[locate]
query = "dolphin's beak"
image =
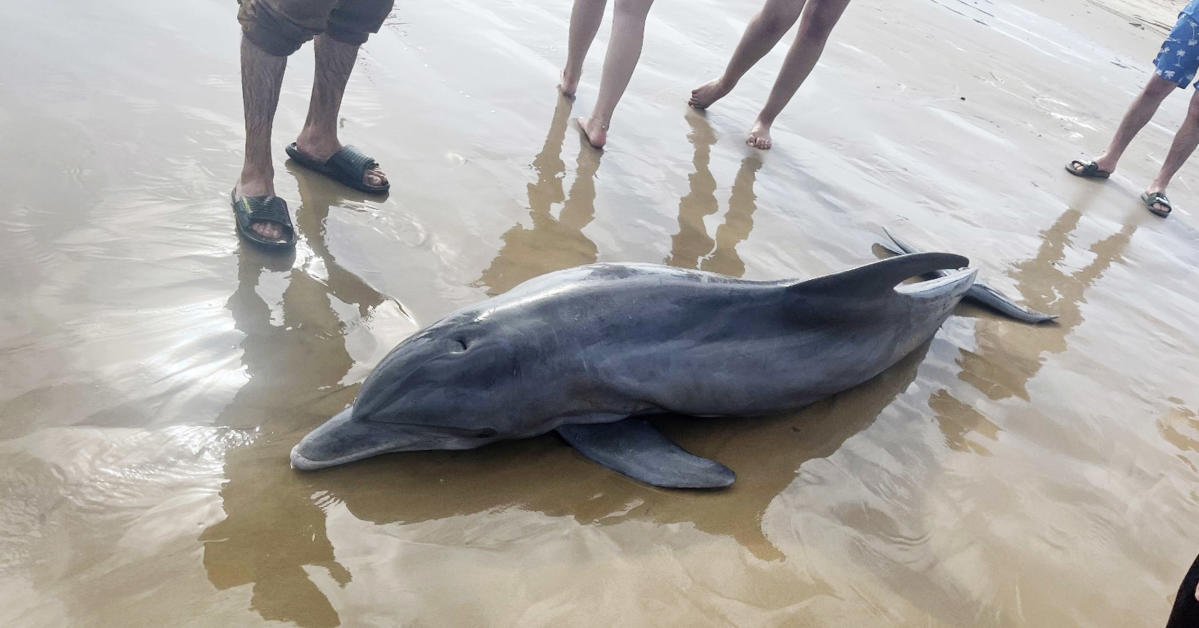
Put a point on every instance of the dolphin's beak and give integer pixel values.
(340, 440)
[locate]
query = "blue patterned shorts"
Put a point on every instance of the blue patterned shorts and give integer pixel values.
(1178, 59)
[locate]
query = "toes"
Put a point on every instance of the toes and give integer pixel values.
(758, 142)
(268, 230)
(375, 177)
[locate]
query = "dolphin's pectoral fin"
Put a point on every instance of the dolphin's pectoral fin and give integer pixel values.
(874, 278)
(638, 450)
(979, 293)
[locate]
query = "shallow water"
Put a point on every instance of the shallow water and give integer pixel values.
(156, 372)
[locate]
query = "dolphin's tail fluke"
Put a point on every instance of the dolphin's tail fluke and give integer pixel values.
(979, 293)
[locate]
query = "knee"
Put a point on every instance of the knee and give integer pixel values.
(633, 8)
(352, 22)
(1158, 88)
(1193, 109)
(271, 30)
(777, 17)
(820, 19)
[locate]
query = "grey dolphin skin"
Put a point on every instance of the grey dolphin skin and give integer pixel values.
(591, 351)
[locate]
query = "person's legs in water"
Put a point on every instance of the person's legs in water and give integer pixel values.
(624, 49)
(819, 18)
(763, 32)
(318, 139)
(585, 20)
(349, 25)
(261, 78)
(1174, 67)
(271, 31)
(1135, 119)
(1185, 141)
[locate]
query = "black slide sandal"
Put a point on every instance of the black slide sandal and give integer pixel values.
(1086, 170)
(347, 166)
(251, 209)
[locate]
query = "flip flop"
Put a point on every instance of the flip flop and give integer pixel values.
(251, 209)
(1157, 198)
(1086, 170)
(347, 166)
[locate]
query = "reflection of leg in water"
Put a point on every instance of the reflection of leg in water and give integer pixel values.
(272, 529)
(994, 369)
(294, 353)
(692, 241)
(737, 222)
(551, 244)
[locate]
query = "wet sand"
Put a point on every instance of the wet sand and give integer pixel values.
(156, 372)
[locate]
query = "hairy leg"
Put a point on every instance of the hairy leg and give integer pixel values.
(1184, 144)
(819, 18)
(585, 20)
(1135, 119)
(763, 32)
(261, 78)
(318, 139)
(624, 49)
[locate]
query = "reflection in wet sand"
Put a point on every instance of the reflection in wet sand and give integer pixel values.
(294, 353)
(692, 247)
(552, 244)
(995, 369)
(544, 475)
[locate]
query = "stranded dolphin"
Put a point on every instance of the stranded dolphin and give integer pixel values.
(590, 351)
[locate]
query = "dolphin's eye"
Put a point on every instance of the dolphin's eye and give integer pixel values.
(461, 343)
(486, 433)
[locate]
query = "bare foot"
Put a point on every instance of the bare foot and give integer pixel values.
(259, 186)
(322, 147)
(703, 96)
(595, 131)
(759, 136)
(568, 85)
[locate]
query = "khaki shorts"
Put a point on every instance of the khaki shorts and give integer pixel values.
(280, 27)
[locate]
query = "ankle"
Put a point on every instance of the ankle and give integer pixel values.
(314, 138)
(256, 182)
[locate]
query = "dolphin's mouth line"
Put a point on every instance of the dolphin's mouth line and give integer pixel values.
(304, 463)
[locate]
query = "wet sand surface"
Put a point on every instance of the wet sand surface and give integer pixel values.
(156, 372)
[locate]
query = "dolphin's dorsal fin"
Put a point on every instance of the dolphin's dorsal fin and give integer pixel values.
(878, 277)
(638, 450)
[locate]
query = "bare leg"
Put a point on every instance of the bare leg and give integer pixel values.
(261, 78)
(585, 20)
(762, 33)
(1184, 144)
(817, 24)
(624, 49)
(318, 139)
(1135, 119)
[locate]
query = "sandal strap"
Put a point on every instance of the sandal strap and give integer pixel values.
(264, 209)
(352, 162)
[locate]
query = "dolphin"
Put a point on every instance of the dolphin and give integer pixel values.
(591, 351)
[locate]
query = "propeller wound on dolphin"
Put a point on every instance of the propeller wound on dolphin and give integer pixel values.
(582, 350)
